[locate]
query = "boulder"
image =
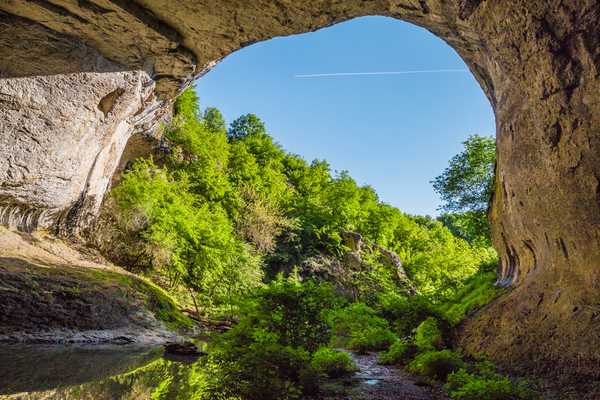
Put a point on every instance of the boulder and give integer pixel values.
(183, 349)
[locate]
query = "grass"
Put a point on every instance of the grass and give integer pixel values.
(479, 291)
(157, 300)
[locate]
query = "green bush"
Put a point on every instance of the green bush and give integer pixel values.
(358, 328)
(408, 314)
(428, 336)
(436, 364)
(372, 339)
(333, 363)
(268, 355)
(492, 387)
(400, 353)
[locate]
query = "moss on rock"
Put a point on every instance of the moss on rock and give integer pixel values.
(45, 299)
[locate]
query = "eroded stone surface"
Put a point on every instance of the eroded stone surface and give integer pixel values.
(537, 62)
(62, 138)
(357, 244)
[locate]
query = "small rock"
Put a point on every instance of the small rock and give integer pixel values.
(421, 383)
(183, 349)
(122, 340)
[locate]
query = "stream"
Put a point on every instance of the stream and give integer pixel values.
(129, 372)
(382, 382)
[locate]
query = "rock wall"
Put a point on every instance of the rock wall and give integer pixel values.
(81, 76)
(61, 143)
(352, 258)
(63, 129)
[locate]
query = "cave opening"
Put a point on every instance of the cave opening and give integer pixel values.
(536, 61)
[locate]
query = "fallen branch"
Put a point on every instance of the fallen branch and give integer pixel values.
(193, 315)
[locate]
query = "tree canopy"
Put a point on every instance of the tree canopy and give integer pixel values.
(231, 210)
(466, 186)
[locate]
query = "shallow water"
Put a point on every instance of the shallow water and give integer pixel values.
(203, 342)
(371, 382)
(97, 372)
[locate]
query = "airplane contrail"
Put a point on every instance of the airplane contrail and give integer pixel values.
(382, 73)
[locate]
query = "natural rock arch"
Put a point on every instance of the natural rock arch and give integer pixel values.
(80, 77)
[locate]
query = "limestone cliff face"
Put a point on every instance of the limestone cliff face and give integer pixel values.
(60, 146)
(64, 128)
(81, 76)
(352, 258)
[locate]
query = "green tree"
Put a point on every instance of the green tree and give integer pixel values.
(244, 126)
(260, 220)
(467, 184)
(435, 260)
(214, 121)
(202, 149)
(188, 103)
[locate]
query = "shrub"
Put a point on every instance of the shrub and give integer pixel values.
(428, 337)
(400, 353)
(333, 363)
(297, 312)
(268, 355)
(358, 328)
(408, 314)
(436, 364)
(495, 387)
(262, 370)
(372, 339)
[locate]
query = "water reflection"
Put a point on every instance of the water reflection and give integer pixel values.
(99, 372)
(203, 342)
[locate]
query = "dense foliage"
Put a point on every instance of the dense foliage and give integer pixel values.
(269, 354)
(357, 327)
(230, 209)
(485, 383)
(466, 186)
(238, 228)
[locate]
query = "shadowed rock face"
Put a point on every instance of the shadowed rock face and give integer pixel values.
(81, 77)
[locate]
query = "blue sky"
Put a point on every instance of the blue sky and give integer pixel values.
(394, 132)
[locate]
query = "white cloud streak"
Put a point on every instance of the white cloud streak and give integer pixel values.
(383, 73)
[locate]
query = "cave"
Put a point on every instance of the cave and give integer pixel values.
(79, 78)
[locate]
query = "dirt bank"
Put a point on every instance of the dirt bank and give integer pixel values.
(50, 292)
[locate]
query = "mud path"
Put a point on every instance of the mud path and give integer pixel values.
(382, 382)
